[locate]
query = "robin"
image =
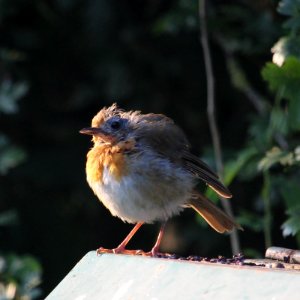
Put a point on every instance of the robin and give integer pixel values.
(142, 170)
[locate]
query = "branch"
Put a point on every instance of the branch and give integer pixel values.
(283, 254)
(234, 239)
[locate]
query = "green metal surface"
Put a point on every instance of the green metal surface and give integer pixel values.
(122, 277)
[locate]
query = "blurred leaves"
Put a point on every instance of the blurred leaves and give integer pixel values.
(19, 277)
(233, 26)
(283, 126)
(272, 148)
(285, 47)
(183, 16)
(9, 218)
(289, 44)
(10, 155)
(10, 94)
(274, 156)
(292, 225)
(290, 8)
(284, 79)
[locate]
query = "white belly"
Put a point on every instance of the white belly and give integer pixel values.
(144, 196)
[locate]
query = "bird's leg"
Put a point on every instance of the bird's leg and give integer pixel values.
(155, 250)
(121, 248)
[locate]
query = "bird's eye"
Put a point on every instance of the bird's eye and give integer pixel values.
(115, 125)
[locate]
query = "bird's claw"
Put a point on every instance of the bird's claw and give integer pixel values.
(102, 250)
(120, 250)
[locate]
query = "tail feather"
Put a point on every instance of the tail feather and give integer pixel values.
(213, 215)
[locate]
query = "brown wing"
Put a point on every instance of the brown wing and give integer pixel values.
(203, 172)
(169, 140)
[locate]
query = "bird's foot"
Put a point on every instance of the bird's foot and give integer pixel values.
(102, 250)
(120, 250)
(155, 253)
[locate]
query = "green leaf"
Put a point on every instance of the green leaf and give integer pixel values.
(292, 225)
(284, 80)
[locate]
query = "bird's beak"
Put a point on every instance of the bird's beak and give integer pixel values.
(98, 132)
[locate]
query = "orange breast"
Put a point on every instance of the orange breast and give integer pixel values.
(110, 157)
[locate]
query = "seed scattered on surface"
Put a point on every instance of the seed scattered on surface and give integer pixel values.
(237, 259)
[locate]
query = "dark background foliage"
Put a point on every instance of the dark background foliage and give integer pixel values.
(63, 60)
